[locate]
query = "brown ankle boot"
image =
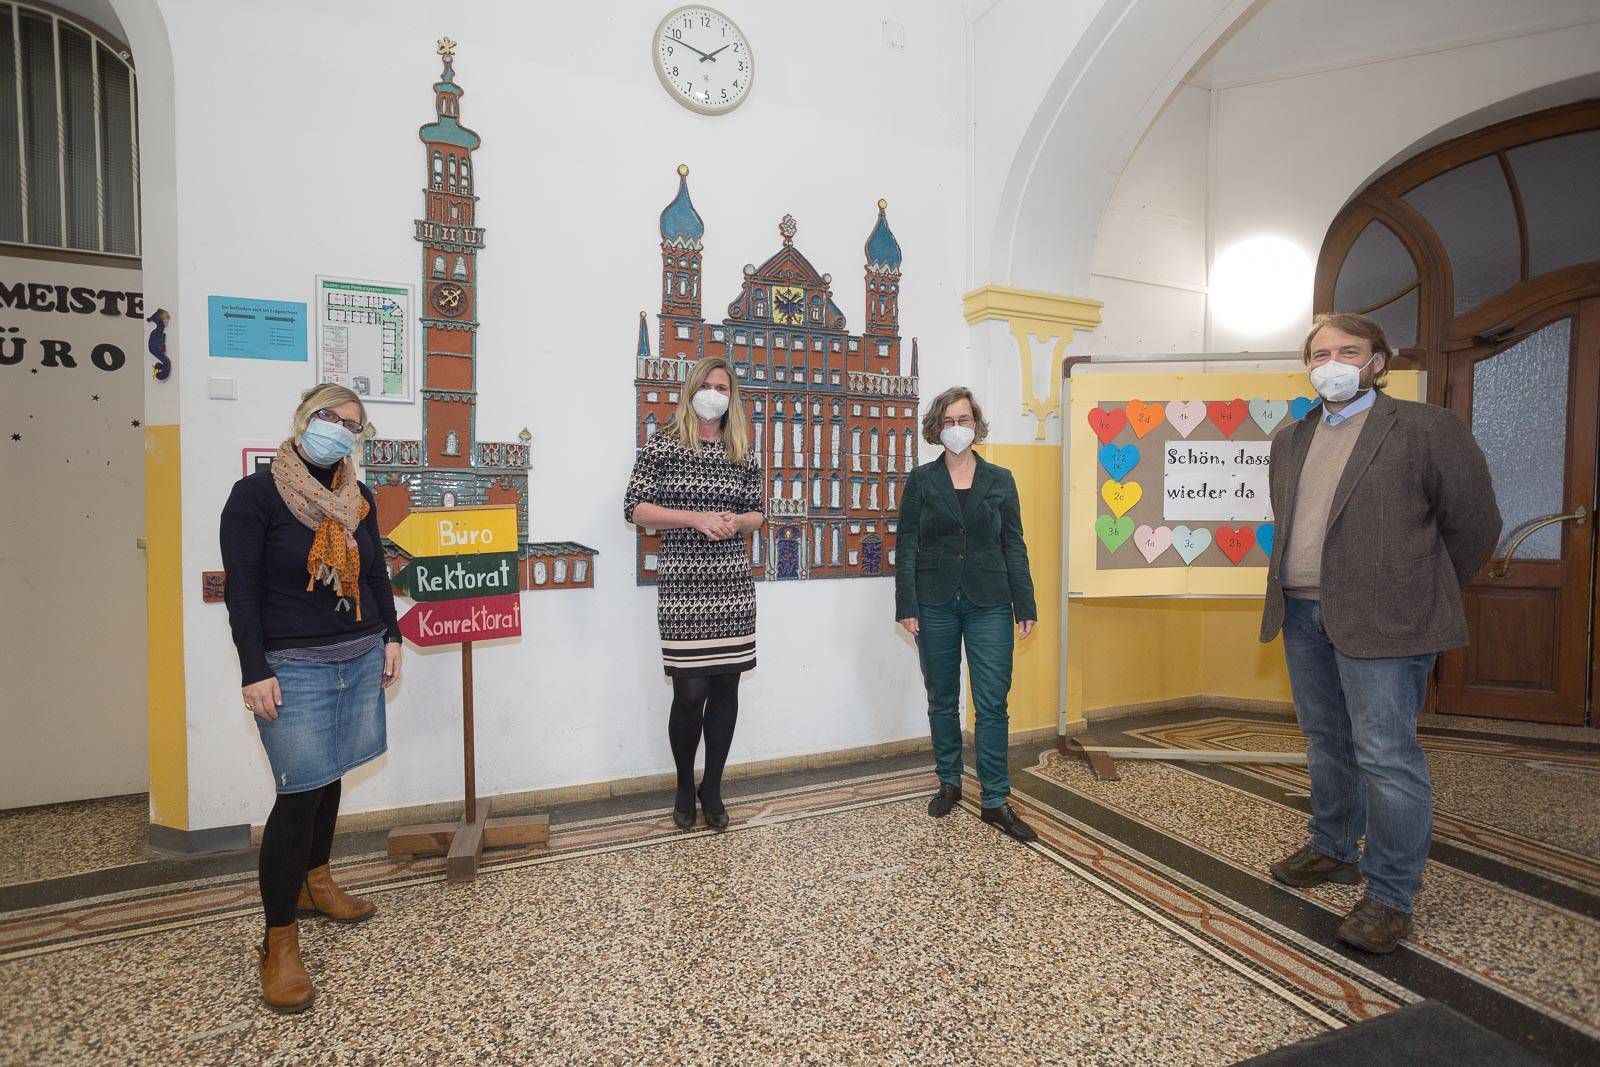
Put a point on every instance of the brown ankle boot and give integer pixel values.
(285, 985)
(320, 896)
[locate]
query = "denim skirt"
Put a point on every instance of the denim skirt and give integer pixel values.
(331, 720)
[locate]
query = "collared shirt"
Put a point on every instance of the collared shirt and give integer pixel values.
(1352, 409)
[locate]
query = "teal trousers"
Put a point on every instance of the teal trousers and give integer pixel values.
(988, 636)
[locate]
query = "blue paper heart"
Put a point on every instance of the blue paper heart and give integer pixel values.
(1118, 460)
(1300, 405)
(1264, 538)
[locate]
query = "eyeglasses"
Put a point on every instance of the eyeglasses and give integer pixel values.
(328, 415)
(965, 422)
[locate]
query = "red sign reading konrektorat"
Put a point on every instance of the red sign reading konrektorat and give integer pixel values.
(449, 622)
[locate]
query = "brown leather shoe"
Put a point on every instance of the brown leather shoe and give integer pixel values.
(320, 896)
(1308, 867)
(1374, 927)
(285, 985)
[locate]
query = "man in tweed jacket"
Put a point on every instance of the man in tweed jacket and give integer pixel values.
(1384, 513)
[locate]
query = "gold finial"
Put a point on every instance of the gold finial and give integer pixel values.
(683, 170)
(447, 47)
(882, 204)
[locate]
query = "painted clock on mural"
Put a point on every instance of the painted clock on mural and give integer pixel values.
(704, 60)
(448, 300)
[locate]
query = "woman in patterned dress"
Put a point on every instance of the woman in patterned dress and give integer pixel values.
(698, 482)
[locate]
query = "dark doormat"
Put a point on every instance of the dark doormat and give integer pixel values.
(1422, 1033)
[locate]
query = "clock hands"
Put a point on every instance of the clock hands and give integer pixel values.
(712, 56)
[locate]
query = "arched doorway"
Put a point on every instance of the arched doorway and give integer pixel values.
(1481, 257)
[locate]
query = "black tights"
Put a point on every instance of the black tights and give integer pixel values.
(708, 704)
(298, 838)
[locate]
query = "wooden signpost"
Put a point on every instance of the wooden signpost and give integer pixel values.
(463, 575)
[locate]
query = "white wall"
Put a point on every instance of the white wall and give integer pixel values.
(1300, 108)
(72, 628)
(297, 154)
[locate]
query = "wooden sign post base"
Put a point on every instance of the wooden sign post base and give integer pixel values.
(462, 843)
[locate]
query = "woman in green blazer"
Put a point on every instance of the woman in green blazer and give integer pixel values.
(961, 573)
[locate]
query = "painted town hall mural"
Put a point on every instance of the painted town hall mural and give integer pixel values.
(833, 417)
(450, 466)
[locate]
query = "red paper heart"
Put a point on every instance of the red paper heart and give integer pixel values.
(1236, 543)
(1107, 424)
(1226, 415)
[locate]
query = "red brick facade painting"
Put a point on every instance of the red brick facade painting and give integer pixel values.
(833, 417)
(449, 466)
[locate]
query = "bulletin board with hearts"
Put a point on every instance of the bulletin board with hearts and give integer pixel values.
(1167, 478)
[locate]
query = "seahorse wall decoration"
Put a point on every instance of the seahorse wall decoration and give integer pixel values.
(158, 344)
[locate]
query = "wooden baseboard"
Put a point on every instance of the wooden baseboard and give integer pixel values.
(1198, 702)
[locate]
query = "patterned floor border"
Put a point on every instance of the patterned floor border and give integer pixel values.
(1569, 867)
(1314, 979)
(1460, 966)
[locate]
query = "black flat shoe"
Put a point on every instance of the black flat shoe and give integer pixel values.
(683, 818)
(946, 798)
(1009, 824)
(716, 818)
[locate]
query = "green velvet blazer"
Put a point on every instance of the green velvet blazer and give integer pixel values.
(939, 548)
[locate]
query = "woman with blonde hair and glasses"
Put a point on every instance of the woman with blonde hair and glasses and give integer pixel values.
(961, 575)
(313, 620)
(698, 481)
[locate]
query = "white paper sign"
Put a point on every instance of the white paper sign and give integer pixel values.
(1216, 481)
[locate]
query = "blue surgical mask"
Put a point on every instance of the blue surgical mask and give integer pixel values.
(326, 443)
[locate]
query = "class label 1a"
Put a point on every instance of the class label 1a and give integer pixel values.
(455, 577)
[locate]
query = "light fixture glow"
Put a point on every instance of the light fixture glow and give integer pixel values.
(1261, 284)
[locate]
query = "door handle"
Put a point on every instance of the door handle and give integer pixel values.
(1522, 532)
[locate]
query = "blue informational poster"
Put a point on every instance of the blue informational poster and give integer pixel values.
(243, 328)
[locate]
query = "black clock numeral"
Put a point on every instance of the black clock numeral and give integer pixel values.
(724, 94)
(677, 35)
(674, 72)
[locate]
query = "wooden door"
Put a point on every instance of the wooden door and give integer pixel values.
(1531, 399)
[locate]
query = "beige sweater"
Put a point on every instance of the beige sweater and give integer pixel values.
(1319, 478)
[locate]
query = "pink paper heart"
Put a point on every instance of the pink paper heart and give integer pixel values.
(1185, 415)
(1152, 542)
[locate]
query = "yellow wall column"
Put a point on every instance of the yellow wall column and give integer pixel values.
(163, 531)
(1025, 438)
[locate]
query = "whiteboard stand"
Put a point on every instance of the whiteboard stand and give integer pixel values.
(1101, 758)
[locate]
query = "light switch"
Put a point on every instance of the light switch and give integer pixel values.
(224, 388)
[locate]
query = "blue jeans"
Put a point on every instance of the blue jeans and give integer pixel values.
(987, 632)
(1368, 774)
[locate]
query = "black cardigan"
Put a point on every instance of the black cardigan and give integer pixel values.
(264, 550)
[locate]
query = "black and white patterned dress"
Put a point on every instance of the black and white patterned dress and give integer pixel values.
(706, 608)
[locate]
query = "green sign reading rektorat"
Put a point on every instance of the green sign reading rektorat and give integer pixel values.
(455, 577)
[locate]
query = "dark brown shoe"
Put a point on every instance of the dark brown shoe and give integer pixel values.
(1374, 927)
(1308, 867)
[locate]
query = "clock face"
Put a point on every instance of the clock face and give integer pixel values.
(449, 300)
(703, 59)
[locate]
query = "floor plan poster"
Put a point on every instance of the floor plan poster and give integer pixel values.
(364, 337)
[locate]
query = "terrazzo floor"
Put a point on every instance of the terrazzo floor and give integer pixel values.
(837, 923)
(63, 839)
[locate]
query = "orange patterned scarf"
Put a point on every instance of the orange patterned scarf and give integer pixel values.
(334, 514)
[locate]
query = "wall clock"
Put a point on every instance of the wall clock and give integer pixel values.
(704, 60)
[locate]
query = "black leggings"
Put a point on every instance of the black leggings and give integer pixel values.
(298, 838)
(706, 704)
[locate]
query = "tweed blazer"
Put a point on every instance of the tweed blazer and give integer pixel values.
(939, 549)
(1412, 520)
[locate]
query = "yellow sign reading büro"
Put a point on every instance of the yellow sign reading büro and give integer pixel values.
(457, 531)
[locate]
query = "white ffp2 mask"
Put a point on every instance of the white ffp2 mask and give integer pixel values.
(957, 438)
(709, 404)
(1337, 382)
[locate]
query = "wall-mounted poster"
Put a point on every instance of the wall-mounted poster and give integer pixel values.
(365, 338)
(242, 327)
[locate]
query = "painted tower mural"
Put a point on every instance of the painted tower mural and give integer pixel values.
(450, 466)
(833, 418)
